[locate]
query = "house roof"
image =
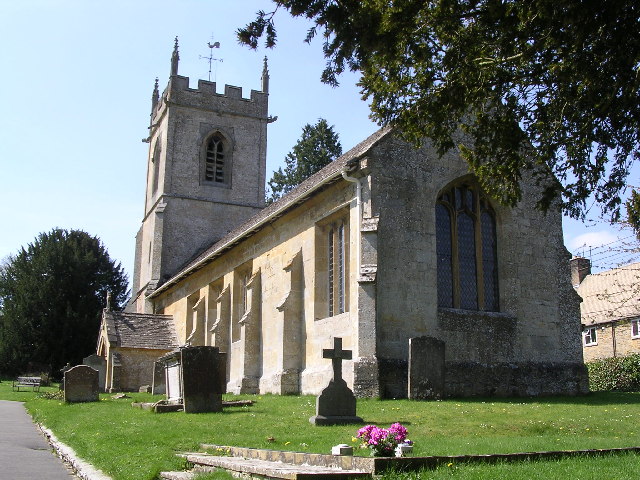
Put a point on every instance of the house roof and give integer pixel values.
(330, 173)
(139, 330)
(611, 295)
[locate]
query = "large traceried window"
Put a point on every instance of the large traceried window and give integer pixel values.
(215, 158)
(466, 250)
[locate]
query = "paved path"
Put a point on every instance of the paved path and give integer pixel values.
(24, 452)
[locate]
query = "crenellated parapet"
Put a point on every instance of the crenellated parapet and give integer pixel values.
(206, 97)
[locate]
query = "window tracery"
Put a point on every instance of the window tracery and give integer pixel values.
(466, 249)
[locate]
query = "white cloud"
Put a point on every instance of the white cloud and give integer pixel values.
(590, 239)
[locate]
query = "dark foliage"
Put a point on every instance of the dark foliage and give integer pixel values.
(51, 297)
(547, 86)
(317, 147)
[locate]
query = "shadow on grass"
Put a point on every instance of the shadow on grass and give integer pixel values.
(594, 398)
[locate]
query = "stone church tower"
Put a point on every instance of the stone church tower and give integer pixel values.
(205, 174)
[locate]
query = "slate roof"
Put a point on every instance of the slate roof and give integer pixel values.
(611, 295)
(140, 330)
(329, 174)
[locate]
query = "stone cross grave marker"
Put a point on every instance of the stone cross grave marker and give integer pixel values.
(336, 404)
(336, 354)
(81, 384)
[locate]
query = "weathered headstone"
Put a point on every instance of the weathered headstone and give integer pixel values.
(100, 364)
(196, 378)
(426, 368)
(81, 384)
(159, 386)
(336, 404)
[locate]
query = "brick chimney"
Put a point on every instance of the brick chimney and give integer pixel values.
(580, 268)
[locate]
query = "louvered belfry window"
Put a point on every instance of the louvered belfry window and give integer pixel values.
(466, 248)
(214, 161)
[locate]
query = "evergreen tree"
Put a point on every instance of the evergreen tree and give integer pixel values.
(318, 146)
(549, 86)
(51, 297)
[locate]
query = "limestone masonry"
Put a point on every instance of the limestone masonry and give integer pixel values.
(386, 244)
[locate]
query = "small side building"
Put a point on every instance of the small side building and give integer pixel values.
(610, 309)
(130, 343)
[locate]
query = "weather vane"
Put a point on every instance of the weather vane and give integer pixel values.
(211, 58)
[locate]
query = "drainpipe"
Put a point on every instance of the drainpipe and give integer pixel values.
(358, 197)
(613, 339)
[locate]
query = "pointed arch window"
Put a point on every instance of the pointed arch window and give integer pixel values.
(466, 248)
(155, 161)
(216, 160)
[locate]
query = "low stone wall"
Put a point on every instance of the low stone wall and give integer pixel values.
(472, 379)
(466, 379)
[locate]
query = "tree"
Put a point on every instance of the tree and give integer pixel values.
(318, 146)
(545, 86)
(51, 297)
(633, 212)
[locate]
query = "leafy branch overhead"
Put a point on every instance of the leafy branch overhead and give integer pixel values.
(547, 86)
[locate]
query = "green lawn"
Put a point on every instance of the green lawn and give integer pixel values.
(101, 432)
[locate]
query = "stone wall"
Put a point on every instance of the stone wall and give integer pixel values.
(136, 368)
(275, 332)
(275, 341)
(538, 322)
(186, 213)
(613, 340)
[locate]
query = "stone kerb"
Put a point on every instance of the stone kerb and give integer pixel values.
(81, 384)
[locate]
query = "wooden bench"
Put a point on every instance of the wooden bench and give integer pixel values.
(31, 382)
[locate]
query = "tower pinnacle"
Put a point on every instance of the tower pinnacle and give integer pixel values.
(174, 59)
(155, 96)
(265, 76)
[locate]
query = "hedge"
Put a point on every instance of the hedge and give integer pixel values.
(621, 374)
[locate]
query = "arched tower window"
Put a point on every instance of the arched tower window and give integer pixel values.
(155, 160)
(215, 167)
(466, 248)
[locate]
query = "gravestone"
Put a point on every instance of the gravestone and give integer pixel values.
(81, 384)
(426, 368)
(158, 387)
(100, 364)
(336, 405)
(195, 377)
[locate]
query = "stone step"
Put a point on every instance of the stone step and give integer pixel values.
(344, 462)
(177, 475)
(270, 469)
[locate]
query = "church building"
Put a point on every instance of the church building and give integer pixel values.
(391, 248)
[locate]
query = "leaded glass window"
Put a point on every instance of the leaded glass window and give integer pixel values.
(336, 269)
(466, 248)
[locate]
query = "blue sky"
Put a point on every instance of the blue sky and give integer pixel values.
(76, 84)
